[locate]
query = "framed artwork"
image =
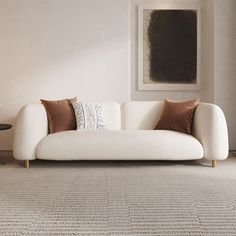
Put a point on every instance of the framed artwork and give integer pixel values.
(169, 47)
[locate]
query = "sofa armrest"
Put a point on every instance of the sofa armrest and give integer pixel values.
(31, 126)
(210, 128)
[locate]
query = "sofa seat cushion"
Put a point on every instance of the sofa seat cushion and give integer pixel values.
(119, 145)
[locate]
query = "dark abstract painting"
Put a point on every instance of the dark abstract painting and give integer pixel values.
(170, 46)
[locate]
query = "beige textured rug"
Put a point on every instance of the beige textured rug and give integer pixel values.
(118, 198)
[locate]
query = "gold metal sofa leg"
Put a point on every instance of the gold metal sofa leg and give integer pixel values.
(213, 163)
(27, 164)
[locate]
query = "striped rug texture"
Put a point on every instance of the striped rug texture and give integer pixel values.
(118, 198)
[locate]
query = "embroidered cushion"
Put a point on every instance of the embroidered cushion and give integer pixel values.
(89, 116)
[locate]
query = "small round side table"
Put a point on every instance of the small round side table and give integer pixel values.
(5, 126)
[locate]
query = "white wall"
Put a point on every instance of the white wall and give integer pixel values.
(205, 93)
(58, 48)
(225, 62)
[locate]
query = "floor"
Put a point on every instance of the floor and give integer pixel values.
(117, 198)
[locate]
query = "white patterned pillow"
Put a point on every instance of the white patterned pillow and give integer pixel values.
(89, 116)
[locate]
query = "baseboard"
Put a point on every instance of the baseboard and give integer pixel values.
(6, 153)
(232, 153)
(6, 156)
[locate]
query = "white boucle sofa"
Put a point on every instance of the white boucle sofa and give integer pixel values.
(130, 136)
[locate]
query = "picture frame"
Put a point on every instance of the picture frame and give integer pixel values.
(161, 67)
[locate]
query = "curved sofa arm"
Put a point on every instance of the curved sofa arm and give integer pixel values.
(210, 128)
(31, 126)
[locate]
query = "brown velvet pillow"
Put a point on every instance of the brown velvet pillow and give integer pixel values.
(177, 116)
(61, 115)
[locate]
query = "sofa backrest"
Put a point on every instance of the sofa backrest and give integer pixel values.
(140, 114)
(112, 115)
